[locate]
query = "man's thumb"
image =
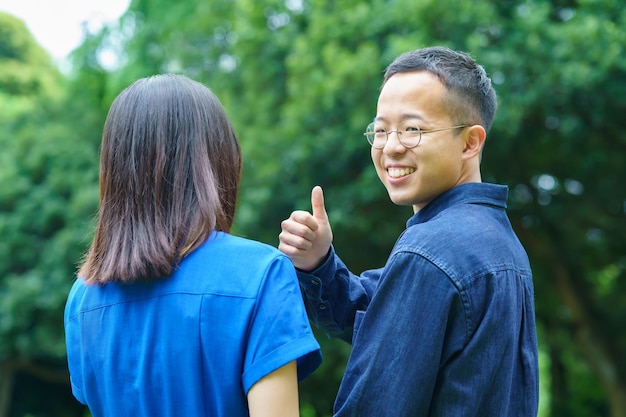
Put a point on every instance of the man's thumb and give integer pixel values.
(317, 203)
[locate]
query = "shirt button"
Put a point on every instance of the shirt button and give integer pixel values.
(322, 306)
(314, 282)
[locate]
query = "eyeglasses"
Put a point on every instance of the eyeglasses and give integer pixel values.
(409, 135)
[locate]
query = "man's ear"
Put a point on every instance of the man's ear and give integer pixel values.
(474, 140)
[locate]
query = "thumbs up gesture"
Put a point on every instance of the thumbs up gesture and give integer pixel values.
(306, 237)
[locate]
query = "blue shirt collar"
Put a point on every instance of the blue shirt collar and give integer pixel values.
(468, 193)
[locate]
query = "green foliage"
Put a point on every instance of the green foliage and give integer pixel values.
(26, 68)
(48, 172)
(44, 207)
(48, 196)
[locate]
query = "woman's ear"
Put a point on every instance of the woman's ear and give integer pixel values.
(474, 140)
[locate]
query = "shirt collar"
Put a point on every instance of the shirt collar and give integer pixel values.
(469, 193)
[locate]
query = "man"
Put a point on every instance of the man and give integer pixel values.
(447, 327)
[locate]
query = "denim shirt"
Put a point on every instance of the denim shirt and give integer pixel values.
(447, 327)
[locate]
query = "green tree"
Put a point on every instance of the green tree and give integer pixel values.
(562, 120)
(47, 198)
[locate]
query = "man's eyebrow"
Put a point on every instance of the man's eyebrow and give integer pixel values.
(403, 117)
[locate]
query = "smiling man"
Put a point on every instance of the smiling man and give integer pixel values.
(447, 326)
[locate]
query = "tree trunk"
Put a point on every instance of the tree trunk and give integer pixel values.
(559, 387)
(592, 344)
(7, 377)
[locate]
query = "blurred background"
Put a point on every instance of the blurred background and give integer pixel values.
(300, 79)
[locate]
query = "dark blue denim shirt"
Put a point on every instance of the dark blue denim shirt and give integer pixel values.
(447, 327)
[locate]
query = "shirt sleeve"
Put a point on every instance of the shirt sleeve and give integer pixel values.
(73, 343)
(279, 331)
(333, 295)
(398, 343)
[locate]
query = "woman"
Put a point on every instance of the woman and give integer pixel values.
(171, 315)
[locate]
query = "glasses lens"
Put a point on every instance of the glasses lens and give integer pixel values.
(410, 136)
(375, 136)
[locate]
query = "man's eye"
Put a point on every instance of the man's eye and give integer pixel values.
(379, 130)
(411, 129)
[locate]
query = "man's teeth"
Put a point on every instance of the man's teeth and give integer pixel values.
(399, 172)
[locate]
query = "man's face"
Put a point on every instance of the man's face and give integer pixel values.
(417, 175)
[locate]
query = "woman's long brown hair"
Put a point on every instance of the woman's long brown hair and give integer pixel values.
(170, 167)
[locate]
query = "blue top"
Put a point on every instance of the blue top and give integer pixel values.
(447, 327)
(194, 343)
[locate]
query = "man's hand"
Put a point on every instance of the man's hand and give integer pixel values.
(306, 237)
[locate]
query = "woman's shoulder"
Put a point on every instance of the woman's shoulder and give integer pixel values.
(237, 245)
(234, 264)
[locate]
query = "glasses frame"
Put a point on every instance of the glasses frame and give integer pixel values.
(398, 133)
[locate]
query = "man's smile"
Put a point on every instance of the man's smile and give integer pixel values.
(397, 172)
